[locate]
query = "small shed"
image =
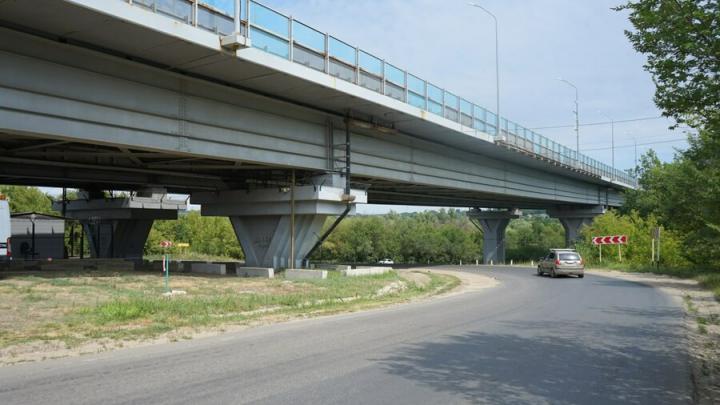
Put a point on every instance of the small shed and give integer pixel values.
(37, 236)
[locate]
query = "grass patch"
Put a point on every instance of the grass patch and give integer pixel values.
(86, 306)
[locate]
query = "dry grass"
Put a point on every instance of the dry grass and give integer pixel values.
(68, 310)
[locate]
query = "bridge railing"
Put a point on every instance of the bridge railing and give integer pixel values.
(288, 38)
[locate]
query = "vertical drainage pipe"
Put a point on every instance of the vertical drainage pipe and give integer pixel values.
(347, 197)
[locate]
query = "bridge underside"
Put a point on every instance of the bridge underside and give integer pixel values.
(37, 161)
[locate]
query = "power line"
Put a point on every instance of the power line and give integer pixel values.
(642, 138)
(589, 124)
(633, 145)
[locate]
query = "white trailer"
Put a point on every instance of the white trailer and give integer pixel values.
(5, 229)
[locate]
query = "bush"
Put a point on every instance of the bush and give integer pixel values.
(212, 236)
(637, 252)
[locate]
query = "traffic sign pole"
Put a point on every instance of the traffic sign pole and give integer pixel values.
(166, 258)
(166, 263)
(652, 251)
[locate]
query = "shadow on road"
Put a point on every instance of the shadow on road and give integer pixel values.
(586, 363)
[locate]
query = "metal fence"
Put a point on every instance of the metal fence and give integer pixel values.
(285, 37)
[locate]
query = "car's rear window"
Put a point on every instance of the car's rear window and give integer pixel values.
(569, 256)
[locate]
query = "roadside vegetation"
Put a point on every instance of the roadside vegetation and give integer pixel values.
(69, 310)
(681, 40)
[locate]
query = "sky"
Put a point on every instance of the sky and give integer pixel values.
(451, 44)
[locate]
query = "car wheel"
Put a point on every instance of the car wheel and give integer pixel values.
(539, 272)
(581, 275)
(552, 273)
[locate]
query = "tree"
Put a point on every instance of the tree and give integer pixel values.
(681, 39)
(28, 199)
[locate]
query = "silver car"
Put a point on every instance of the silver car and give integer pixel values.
(562, 262)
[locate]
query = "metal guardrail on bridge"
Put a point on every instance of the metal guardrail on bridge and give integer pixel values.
(285, 37)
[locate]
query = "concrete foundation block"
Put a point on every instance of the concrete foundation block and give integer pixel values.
(295, 274)
(365, 271)
(260, 272)
(186, 265)
(208, 268)
(230, 267)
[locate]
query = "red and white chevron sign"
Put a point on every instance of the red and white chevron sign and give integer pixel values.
(610, 240)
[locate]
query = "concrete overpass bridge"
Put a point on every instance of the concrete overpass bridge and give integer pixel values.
(264, 119)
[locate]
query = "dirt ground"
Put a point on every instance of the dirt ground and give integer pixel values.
(469, 281)
(702, 321)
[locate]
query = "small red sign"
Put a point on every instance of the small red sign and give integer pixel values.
(610, 240)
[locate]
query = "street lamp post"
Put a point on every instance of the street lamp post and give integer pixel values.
(577, 116)
(497, 68)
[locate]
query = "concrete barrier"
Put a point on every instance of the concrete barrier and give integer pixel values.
(255, 272)
(75, 265)
(208, 268)
(365, 271)
(186, 265)
(86, 264)
(296, 274)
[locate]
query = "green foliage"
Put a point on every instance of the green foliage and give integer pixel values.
(681, 39)
(213, 236)
(529, 238)
(27, 199)
(637, 253)
(443, 236)
(685, 198)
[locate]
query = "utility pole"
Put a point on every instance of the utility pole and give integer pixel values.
(612, 142)
(636, 164)
(577, 116)
(612, 138)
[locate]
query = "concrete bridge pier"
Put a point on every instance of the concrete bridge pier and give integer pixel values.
(264, 218)
(119, 227)
(573, 219)
(493, 225)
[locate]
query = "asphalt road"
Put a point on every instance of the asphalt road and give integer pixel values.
(530, 340)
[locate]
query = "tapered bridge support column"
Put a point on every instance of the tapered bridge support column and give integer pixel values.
(573, 219)
(493, 225)
(262, 218)
(119, 227)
